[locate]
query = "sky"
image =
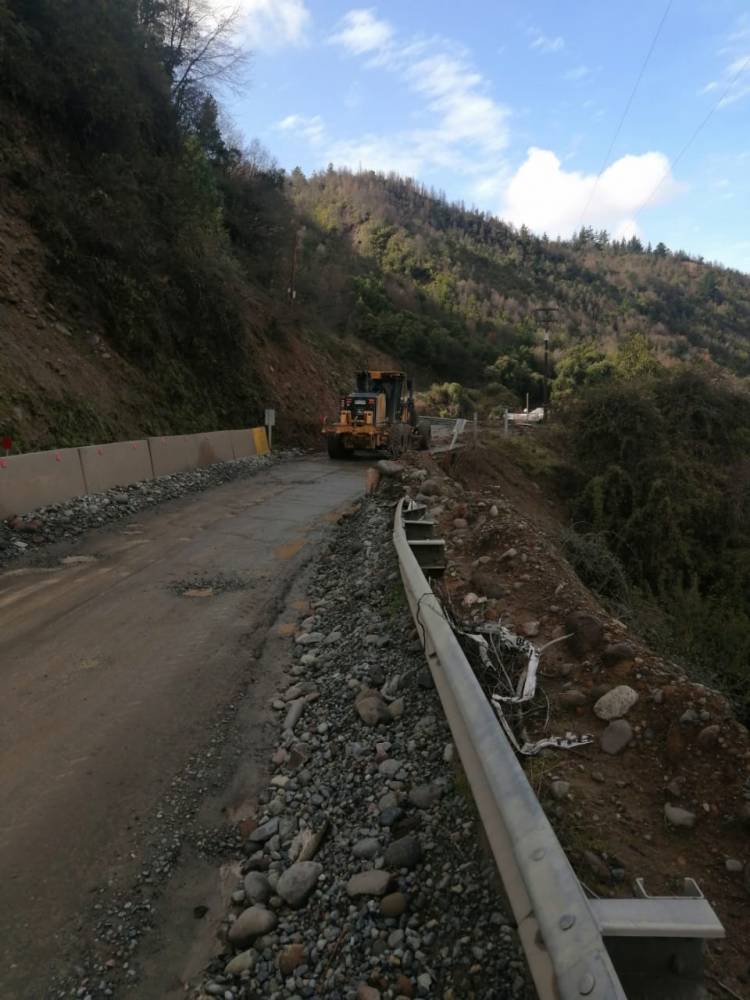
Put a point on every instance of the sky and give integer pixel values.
(528, 110)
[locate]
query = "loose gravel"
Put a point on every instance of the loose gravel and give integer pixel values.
(363, 875)
(58, 522)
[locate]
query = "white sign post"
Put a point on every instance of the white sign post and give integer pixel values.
(458, 428)
(270, 424)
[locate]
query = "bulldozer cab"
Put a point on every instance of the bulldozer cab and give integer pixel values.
(399, 406)
(379, 414)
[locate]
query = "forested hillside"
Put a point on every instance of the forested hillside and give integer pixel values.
(147, 257)
(144, 258)
(430, 279)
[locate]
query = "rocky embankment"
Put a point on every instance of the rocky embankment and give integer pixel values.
(362, 875)
(663, 790)
(66, 521)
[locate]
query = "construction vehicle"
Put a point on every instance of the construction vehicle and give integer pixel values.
(378, 416)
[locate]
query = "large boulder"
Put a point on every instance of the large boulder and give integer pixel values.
(297, 882)
(371, 707)
(403, 853)
(375, 882)
(257, 887)
(252, 923)
(615, 703)
(586, 633)
(677, 816)
(265, 831)
(388, 468)
(431, 488)
(244, 962)
(291, 958)
(616, 736)
(619, 654)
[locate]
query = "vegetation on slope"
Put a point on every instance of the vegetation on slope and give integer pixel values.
(182, 245)
(122, 182)
(653, 462)
(459, 289)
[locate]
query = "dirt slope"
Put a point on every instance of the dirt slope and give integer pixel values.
(62, 383)
(613, 811)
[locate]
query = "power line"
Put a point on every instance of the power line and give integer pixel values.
(627, 109)
(693, 137)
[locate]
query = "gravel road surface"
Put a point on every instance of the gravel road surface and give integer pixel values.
(118, 654)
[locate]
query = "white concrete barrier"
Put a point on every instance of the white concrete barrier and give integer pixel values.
(243, 443)
(45, 477)
(119, 464)
(38, 479)
(216, 446)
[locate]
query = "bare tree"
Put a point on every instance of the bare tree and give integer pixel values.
(199, 44)
(256, 159)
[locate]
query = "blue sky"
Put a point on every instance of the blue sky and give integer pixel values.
(512, 107)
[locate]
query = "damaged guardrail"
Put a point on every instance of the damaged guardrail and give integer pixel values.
(656, 941)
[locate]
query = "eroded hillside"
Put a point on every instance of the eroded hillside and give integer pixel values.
(663, 790)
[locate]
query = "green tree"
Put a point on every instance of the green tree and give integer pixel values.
(583, 365)
(636, 358)
(516, 370)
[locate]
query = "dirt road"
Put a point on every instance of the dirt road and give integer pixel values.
(113, 663)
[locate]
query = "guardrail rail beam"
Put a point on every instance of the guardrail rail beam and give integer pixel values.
(574, 945)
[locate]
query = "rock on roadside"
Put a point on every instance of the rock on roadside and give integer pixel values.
(616, 736)
(297, 882)
(253, 922)
(615, 703)
(371, 707)
(375, 882)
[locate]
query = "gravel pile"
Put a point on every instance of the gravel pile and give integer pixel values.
(61, 521)
(362, 873)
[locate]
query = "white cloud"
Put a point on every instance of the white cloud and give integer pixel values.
(465, 127)
(313, 129)
(577, 73)
(741, 33)
(455, 95)
(545, 197)
(273, 24)
(543, 43)
(737, 78)
(360, 31)
(734, 80)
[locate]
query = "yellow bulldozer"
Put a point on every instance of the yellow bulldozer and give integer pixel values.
(378, 416)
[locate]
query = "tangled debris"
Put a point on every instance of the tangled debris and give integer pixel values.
(498, 651)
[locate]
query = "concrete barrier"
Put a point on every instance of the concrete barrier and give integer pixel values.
(184, 452)
(41, 478)
(243, 443)
(261, 441)
(38, 479)
(216, 446)
(173, 454)
(120, 464)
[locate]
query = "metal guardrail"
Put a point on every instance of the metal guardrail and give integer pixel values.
(449, 430)
(561, 930)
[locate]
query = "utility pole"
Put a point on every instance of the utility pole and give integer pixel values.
(544, 313)
(292, 289)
